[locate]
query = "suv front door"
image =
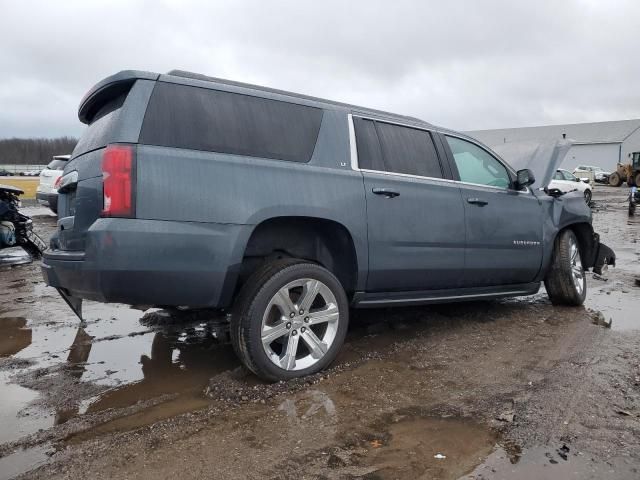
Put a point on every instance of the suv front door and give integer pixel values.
(415, 216)
(503, 225)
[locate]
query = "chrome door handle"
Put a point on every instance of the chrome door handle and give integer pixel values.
(477, 201)
(385, 192)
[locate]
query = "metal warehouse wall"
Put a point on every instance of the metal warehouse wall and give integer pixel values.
(631, 144)
(604, 155)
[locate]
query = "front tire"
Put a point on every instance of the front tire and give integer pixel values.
(289, 320)
(587, 196)
(566, 282)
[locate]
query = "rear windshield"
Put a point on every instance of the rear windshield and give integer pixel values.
(57, 164)
(202, 119)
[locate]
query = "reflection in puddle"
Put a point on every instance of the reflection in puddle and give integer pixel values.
(102, 365)
(310, 404)
(173, 366)
(13, 335)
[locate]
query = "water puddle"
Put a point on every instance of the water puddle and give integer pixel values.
(401, 445)
(617, 297)
(548, 463)
(14, 336)
(22, 461)
(618, 309)
(434, 448)
(116, 360)
(16, 417)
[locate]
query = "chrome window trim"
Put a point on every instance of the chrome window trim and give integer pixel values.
(353, 147)
(447, 180)
(408, 175)
(356, 167)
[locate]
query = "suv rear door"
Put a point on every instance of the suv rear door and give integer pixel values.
(415, 215)
(503, 225)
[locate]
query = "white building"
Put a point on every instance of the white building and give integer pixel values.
(602, 144)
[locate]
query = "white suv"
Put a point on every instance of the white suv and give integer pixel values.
(565, 181)
(47, 192)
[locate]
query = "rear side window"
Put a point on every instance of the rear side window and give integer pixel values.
(408, 150)
(392, 148)
(201, 119)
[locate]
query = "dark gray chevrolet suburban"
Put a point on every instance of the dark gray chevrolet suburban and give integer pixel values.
(286, 210)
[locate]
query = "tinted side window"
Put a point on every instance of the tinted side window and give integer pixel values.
(369, 153)
(558, 175)
(408, 150)
(202, 119)
(568, 176)
(476, 165)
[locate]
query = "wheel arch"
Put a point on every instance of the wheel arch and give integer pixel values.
(326, 242)
(586, 241)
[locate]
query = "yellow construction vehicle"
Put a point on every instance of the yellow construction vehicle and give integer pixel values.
(629, 172)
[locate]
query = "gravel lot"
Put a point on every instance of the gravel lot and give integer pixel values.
(486, 390)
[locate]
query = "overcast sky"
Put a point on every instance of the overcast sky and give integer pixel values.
(460, 64)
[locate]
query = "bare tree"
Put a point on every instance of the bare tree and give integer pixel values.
(34, 151)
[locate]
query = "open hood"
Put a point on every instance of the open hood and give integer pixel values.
(543, 158)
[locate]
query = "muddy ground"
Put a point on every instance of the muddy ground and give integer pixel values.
(504, 389)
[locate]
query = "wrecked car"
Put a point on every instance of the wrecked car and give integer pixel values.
(16, 229)
(286, 210)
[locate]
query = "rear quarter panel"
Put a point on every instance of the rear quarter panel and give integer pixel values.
(196, 186)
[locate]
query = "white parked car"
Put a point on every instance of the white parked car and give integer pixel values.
(565, 181)
(47, 192)
(599, 174)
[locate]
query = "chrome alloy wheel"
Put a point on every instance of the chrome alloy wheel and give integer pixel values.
(577, 272)
(300, 324)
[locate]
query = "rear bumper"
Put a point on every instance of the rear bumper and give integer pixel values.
(147, 262)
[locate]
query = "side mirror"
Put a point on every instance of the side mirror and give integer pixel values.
(525, 178)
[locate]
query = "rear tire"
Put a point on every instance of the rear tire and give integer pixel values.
(637, 180)
(615, 180)
(289, 320)
(566, 282)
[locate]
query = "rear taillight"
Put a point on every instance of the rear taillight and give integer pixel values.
(56, 184)
(118, 175)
